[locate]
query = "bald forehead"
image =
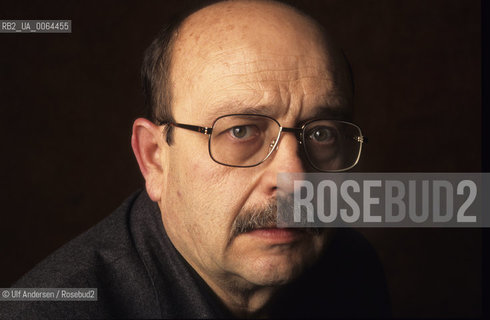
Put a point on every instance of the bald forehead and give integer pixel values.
(232, 23)
(233, 37)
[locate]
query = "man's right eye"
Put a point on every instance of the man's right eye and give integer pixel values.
(243, 132)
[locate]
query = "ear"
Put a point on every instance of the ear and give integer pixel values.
(148, 149)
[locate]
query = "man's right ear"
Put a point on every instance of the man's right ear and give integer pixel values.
(147, 140)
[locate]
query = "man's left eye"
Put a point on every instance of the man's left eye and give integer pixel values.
(322, 135)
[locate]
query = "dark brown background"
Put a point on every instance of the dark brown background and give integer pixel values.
(67, 102)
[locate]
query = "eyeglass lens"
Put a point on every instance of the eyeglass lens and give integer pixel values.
(247, 140)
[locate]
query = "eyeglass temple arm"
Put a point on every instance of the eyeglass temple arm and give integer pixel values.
(203, 130)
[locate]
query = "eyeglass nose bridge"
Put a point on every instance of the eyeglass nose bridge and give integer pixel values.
(298, 132)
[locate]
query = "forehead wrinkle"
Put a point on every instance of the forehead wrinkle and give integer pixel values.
(270, 78)
(257, 65)
(280, 92)
(320, 91)
(276, 64)
(325, 106)
(273, 91)
(242, 57)
(230, 108)
(250, 75)
(261, 71)
(295, 59)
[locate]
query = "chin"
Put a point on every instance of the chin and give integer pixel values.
(275, 265)
(275, 270)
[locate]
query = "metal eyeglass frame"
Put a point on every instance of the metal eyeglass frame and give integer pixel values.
(299, 132)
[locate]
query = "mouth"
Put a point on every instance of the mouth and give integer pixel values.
(274, 234)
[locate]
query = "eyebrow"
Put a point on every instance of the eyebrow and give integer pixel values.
(320, 112)
(240, 109)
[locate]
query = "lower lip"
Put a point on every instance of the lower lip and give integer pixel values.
(276, 234)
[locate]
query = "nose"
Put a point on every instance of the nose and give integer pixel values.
(286, 156)
(284, 165)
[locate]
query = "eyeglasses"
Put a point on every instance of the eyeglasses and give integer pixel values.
(247, 140)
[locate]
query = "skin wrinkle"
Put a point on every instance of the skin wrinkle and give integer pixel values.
(241, 107)
(267, 62)
(272, 78)
(256, 62)
(264, 80)
(270, 71)
(332, 102)
(294, 70)
(272, 90)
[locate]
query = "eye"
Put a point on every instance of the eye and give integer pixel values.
(322, 135)
(243, 132)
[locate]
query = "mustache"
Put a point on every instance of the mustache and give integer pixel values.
(265, 216)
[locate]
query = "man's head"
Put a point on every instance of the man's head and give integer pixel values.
(239, 57)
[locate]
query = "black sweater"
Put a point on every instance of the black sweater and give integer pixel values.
(129, 258)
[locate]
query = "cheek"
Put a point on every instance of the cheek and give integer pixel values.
(194, 172)
(204, 190)
(197, 190)
(202, 178)
(217, 183)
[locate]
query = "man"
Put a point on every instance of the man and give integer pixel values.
(201, 241)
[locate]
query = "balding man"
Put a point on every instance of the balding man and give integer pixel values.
(238, 92)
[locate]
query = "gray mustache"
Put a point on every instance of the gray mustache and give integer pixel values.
(255, 218)
(264, 217)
